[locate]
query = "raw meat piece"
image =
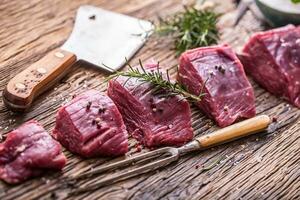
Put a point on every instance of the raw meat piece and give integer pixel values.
(91, 125)
(229, 95)
(27, 152)
(272, 58)
(153, 119)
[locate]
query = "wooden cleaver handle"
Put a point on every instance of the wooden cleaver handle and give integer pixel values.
(34, 80)
(235, 131)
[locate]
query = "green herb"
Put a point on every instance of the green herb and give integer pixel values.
(295, 1)
(156, 78)
(190, 29)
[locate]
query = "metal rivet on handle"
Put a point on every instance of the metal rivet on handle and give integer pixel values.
(20, 86)
(59, 54)
(41, 70)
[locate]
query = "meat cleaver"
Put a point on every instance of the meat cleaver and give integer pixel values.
(100, 37)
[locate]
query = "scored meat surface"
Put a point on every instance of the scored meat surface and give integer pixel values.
(229, 95)
(91, 125)
(154, 119)
(28, 151)
(272, 58)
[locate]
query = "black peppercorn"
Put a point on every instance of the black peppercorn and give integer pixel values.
(101, 110)
(88, 106)
(221, 69)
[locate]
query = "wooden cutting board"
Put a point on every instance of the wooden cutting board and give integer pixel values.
(257, 167)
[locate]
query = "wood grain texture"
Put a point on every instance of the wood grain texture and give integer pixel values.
(264, 166)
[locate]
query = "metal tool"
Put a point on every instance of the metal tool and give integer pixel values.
(167, 155)
(99, 37)
(243, 6)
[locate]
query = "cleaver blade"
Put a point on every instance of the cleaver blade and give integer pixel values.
(102, 38)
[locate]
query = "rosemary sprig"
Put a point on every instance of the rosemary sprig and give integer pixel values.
(156, 78)
(190, 29)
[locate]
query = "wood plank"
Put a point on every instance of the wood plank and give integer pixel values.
(263, 166)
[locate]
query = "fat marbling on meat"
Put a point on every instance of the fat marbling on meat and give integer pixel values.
(153, 118)
(272, 58)
(28, 151)
(91, 125)
(217, 71)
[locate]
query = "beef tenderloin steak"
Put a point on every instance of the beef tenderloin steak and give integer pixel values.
(218, 71)
(91, 125)
(272, 58)
(28, 151)
(153, 118)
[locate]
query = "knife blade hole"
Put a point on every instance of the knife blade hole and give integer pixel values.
(92, 17)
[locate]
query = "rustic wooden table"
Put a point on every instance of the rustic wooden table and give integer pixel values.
(265, 166)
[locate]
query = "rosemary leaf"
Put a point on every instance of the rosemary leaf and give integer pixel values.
(158, 81)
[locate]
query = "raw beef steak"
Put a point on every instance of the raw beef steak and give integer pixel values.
(27, 152)
(91, 125)
(153, 119)
(229, 95)
(272, 58)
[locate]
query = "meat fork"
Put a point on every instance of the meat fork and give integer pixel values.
(168, 155)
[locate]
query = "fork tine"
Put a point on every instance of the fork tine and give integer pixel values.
(122, 163)
(128, 174)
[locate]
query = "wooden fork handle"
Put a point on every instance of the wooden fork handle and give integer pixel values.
(235, 131)
(22, 89)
